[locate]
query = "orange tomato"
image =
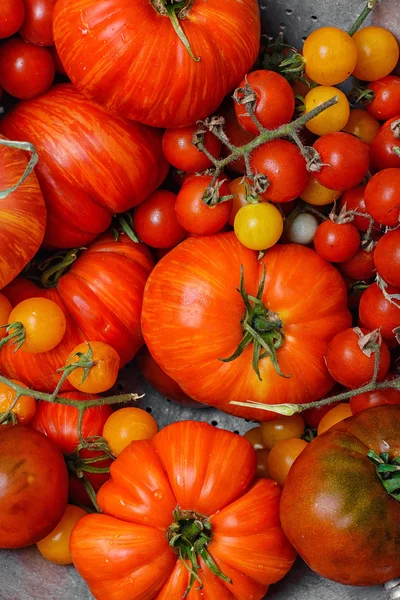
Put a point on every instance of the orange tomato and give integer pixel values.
(362, 125)
(55, 546)
(282, 457)
(318, 195)
(281, 428)
(104, 372)
(335, 415)
(24, 409)
(44, 324)
(5, 311)
(127, 425)
(255, 438)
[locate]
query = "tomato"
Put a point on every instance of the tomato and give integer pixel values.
(55, 546)
(101, 297)
(155, 222)
(284, 166)
(127, 425)
(362, 125)
(274, 101)
(282, 428)
(24, 409)
(158, 486)
(164, 85)
(104, 372)
(302, 229)
(378, 312)
(313, 416)
(236, 135)
(262, 463)
(318, 195)
(205, 299)
(337, 242)
(43, 322)
(5, 311)
(360, 266)
(258, 226)
(386, 145)
(354, 200)
(387, 257)
(330, 55)
(345, 161)
(92, 165)
(11, 17)
(37, 27)
(197, 217)
(34, 486)
(386, 102)
(382, 197)
(334, 508)
(377, 53)
(183, 154)
(349, 364)
(57, 62)
(237, 188)
(282, 457)
(255, 438)
(376, 398)
(331, 119)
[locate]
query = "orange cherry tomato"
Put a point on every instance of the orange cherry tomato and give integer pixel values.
(127, 425)
(330, 55)
(104, 372)
(362, 125)
(55, 546)
(335, 415)
(318, 195)
(255, 438)
(44, 324)
(282, 428)
(377, 53)
(333, 118)
(262, 462)
(24, 409)
(5, 311)
(282, 457)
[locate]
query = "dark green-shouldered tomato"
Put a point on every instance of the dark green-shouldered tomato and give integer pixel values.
(336, 511)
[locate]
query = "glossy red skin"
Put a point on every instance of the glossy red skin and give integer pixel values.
(275, 101)
(34, 487)
(348, 364)
(236, 135)
(11, 17)
(37, 27)
(360, 267)
(183, 154)
(283, 164)
(199, 468)
(354, 200)
(101, 296)
(204, 299)
(383, 155)
(335, 510)
(387, 257)
(26, 71)
(377, 312)
(386, 103)
(91, 164)
(337, 242)
(376, 398)
(346, 160)
(123, 68)
(155, 222)
(382, 197)
(194, 215)
(57, 62)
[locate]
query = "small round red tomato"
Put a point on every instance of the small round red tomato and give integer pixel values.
(376, 311)
(376, 398)
(330, 55)
(183, 154)
(34, 486)
(258, 226)
(103, 373)
(345, 161)
(362, 125)
(5, 311)
(25, 407)
(337, 242)
(382, 197)
(37, 27)
(127, 425)
(282, 428)
(43, 322)
(236, 135)
(255, 438)
(385, 149)
(318, 195)
(333, 118)
(55, 546)
(12, 14)
(386, 102)
(387, 257)
(360, 266)
(350, 359)
(282, 457)
(196, 216)
(26, 71)
(354, 200)
(285, 168)
(155, 222)
(377, 53)
(339, 413)
(274, 101)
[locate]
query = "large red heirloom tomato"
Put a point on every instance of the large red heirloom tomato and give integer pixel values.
(91, 164)
(184, 501)
(101, 296)
(341, 501)
(203, 320)
(128, 57)
(22, 213)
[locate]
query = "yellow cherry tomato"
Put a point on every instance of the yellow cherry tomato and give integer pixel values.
(282, 428)
(332, 119)
(318, 195)
(262, 463)
(44, 324)
(330, 56)
(127, 425)
(55, 546)
(104, 372)
(258, 226)
(378, 53)
(282, 457)
(335, 415)
(255, 438)
(24, 409)
(362, 124)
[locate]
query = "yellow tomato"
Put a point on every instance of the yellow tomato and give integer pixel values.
(55, 546)
(335, 415)
(258, 226)
(127, 425)
(378, 53)
(318, 195)
(362, 124)
(330, 55)
(333, 118)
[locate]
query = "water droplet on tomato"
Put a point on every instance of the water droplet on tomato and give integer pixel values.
(158, 495)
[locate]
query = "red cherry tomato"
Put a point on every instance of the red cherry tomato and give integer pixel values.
(12, 14)
(37, 27)
(375, 398)
(274, 104)
(386, 103)
(183, 154)
(386, 145)
(197, 217)
(361, 266)
(314, 416)
(285, 167)
(26, 71)
(387, 257)
(337, 242)
(355, 200)
(236, 135)
(345, 159)
(378, 312)
(155, 222)
(382, 197)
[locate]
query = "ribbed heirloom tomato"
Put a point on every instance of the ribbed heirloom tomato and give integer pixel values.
(203, 320)
(186, 493)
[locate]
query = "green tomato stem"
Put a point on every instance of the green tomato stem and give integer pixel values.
(365, 13)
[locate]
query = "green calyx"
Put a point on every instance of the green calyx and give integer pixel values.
(388, 471)
(176, 10)
(15, 334)
(261, 327)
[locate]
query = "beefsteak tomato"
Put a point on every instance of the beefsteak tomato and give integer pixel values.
(92, 165)
(127, 56)
(204, 319)
(181, 502)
